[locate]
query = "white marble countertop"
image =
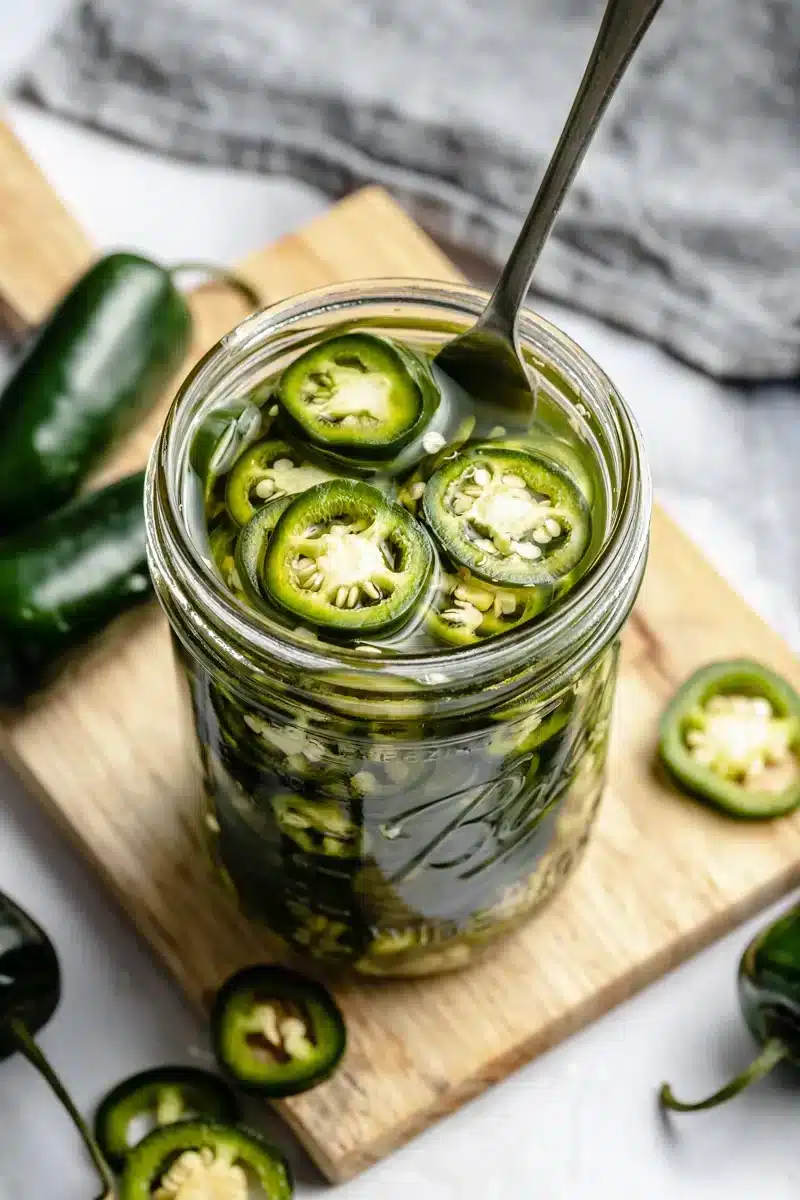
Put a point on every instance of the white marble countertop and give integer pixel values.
(581, 1123)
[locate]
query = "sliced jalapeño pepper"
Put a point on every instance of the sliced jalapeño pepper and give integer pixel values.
(360, 395)
(219, 440)
(469, 610)
(769, 996)
(222, 540)
(251, 546)
(510, 516)
(412, 489)
(205, 1158)
(276, 1032)
(157, 1098)
(731, 736)
(266, 472)
(345, 558)
(317, 826)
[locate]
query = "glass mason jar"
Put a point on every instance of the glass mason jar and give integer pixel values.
(398, 814)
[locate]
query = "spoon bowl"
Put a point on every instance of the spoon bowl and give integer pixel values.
(486, 361)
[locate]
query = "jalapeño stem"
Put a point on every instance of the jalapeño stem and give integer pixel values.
(774, 1051)
(28, 1047)
(217, 274)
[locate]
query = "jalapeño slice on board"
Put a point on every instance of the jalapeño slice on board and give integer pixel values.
(205, 1158)
(731, 736)
(268, 471)
(276, 1032)
(360, 395)
(510, 516)
(345, 558)
(158, 1098)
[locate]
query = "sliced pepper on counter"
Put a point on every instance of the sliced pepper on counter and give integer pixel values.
(95, 367)
(510, 516)
(359, 394)
(344, 557)
(731, 736)
(769, 995)
(30, 990)
(205, 1158)
(276, 1032)
(157, 1098)
(66, 578)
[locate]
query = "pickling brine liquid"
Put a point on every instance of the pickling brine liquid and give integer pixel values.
(382, 835)
(447, 611)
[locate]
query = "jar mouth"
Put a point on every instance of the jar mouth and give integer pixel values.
(605, 590)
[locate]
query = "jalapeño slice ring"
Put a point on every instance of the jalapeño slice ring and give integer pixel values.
(359, 394)
(731, 736)
(276, 1032)
(162, 1096)
(251, 546)
(510, 516)
(204, 1158)
(345, 558)
(222, 436)
(469, 610)
(266, 472)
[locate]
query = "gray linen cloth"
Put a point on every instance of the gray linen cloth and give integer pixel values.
(684, 224)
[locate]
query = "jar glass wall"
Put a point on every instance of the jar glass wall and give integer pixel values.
(397, 814)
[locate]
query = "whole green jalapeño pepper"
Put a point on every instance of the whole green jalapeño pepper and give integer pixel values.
(30, 989)
(66, 578)
(95, 367)
(769, 994)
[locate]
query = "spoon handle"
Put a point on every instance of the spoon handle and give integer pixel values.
(625, 23)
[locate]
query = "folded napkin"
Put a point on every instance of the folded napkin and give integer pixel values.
(684, 224)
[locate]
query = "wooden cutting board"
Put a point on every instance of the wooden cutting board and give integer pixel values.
(103, 750)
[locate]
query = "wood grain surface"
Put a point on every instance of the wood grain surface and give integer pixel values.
(104, 751)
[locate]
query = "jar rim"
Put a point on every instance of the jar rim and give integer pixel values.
(610, 580)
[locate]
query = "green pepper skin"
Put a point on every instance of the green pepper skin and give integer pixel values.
(235, 1027)
(30, 989)
(169, 1094)
(769, 996)
(750, 678)
(769, 983)
(148, 1163)
(30, 978)
(66, 578)
(96, 366)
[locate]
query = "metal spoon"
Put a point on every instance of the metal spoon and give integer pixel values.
(486, 361)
